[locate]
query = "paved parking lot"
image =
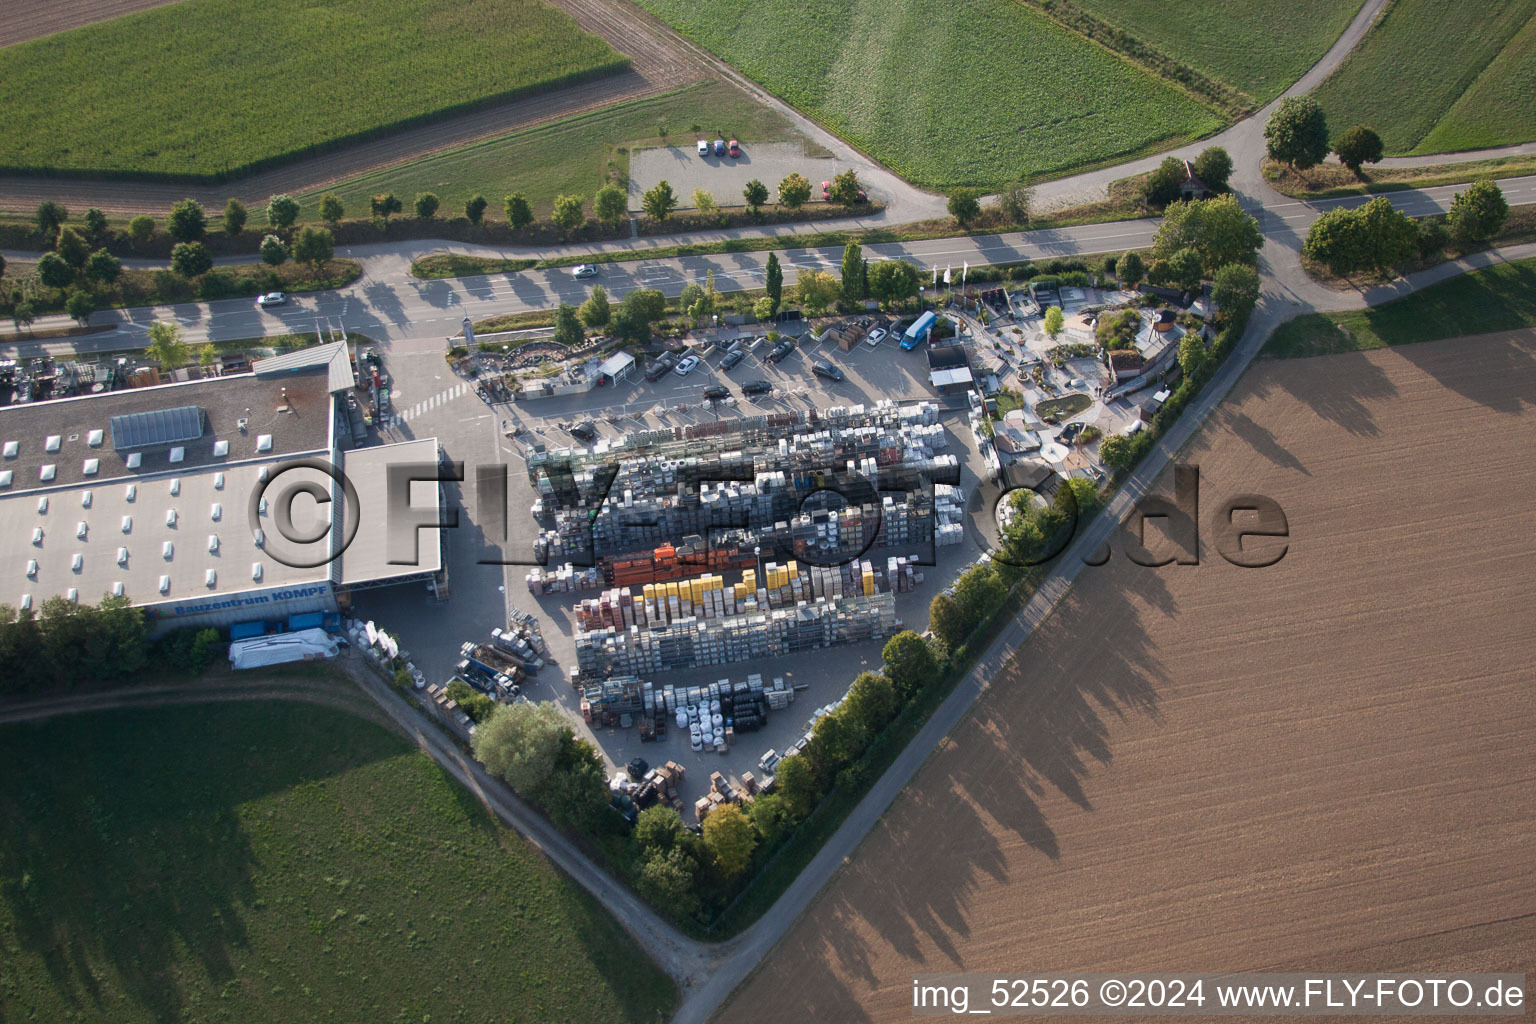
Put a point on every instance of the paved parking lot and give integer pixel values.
(724, 177)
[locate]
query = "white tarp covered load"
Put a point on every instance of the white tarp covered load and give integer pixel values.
(304, 645)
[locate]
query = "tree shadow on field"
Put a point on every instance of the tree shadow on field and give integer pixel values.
(1482, 370)
(1037, 733)
(1258, 437)
(123, 848)
(1344, 399)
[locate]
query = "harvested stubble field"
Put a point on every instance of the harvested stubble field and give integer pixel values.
(1328, 764)
(223, 87)
(976, 92)
(1399, 81)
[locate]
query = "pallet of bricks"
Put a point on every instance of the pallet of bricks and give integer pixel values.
(562, 580)
(690, 641)
(721, 792)
(714, 713)
(710, 597)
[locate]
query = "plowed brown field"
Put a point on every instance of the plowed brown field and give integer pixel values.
(1329, 764)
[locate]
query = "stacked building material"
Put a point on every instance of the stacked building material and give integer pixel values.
(688, 641)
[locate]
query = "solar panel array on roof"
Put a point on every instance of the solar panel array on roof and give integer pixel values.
(156, 426)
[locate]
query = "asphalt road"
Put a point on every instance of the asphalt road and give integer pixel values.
(389, 305)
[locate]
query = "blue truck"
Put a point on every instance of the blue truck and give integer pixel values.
(919, 331)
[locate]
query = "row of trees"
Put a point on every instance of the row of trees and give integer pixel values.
(1296, 134)
(64, 644)
(1376, 237)
(794, 191)
(533, 749)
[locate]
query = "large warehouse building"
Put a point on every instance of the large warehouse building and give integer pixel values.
(209, 502)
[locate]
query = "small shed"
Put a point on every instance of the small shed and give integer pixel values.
(615, 368)
(1124, 364)
(950, 382)
(1193, 187)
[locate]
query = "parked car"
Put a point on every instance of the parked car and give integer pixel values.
(780, 351)
(826, 193)
(585, 432)
(828, 371)
(272, 299)
(659, 368)
(685, 365)
(732, 359)
(734, 147)
(703, 147)
(757, 387)
(719, 147)
(584, 270)
(875, 337)
(717, 392)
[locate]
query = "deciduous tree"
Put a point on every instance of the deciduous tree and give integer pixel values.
(80, 305)
(845, 189)
(568, 330)
(1358, 145)
(102, 267)
(1236, 290)
(187, 222)
(235, 216)
(315, 247)
(166, 347)
(1476, 214)
(73, 248)
(1297, 133)
(274, 251)
(1219, 231)
(1054, 321)
(817, 290)
(964, 206)
(141, 229)
(569, 215)
(520, 743)
(595, 311)
(331, 210)
(1214, 166)
(756, 194)
(519, 213)
(95, 222)
(48, 217)
(794, 191)
(384, 204)
(1131, 269)
(909, 664)
(53, 271)
(611, 205)
(659, 201)
(1162, 185)
(730, 840)
(1015, 200)
(474, 208)
(703, 200)
(426, 205)
(893, 280)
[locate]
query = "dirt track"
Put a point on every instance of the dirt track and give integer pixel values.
(1329, 764)
(660, 62)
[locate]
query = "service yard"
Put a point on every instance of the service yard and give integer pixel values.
(1324, 762)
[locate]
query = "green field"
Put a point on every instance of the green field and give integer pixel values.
(1500, 107)
(212, 87)
(976, 92)
(1257, 46)
(1499, 298)
(1437, 76)
(271, 861)
(576, 155)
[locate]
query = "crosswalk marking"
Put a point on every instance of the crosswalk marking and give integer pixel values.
(428, 404)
